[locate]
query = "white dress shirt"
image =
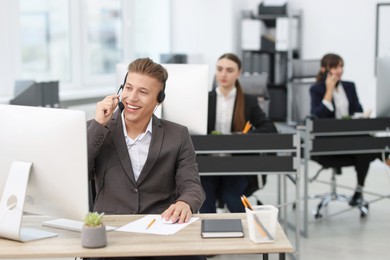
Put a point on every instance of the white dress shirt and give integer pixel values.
(340, 101)
(225, 107)
(138, 148)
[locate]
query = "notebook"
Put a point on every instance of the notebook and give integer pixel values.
(216, 228)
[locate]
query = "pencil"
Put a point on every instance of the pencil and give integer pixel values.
(260, 226)
(247, 127)
(264, 232)
(246, 202)
(151, 223)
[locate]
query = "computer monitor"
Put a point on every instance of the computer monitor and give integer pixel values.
(173, 58)
(383, 87)
(186, 99)
(41, 94)
(43, 167)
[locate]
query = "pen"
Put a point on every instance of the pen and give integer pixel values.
(247, 127)
(151, 223)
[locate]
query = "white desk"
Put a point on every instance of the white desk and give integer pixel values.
(253, 154)
(337, 137)
(186, 242)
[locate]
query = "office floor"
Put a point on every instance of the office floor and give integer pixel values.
(342, 236)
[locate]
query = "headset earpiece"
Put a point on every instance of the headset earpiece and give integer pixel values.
(161, 95)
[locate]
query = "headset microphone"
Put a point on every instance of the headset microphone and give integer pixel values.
(120, 104)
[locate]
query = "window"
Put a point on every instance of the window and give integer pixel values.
(44, 39)
(104, 30)
(78, 42)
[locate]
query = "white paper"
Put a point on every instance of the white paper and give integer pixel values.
(69, 224)
(158, 227)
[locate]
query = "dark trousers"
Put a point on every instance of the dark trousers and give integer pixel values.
(361, 162)
(226, 188)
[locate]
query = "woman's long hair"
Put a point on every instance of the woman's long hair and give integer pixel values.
(239, 107)
(330, 60)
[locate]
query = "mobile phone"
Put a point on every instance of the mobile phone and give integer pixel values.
(325, 74)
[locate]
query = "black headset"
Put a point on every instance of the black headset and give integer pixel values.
(160, 96)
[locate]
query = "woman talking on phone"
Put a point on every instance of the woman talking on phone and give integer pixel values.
(332, 97)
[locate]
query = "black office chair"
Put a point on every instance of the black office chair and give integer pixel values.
(329, 162)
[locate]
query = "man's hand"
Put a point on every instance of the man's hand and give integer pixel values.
(105, 109)
(179, 212)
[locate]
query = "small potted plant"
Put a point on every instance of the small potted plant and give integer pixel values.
(93, 233)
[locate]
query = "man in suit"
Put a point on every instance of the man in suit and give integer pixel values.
(142, 164)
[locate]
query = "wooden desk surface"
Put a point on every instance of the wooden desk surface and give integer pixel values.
(186, 242)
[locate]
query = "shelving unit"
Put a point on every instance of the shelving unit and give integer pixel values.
(269, 42)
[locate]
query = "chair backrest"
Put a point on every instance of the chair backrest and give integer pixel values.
(303, 77)
(305, 68)
(256, 85)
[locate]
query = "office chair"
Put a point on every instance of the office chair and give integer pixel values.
(303, 77)
(322, 144)
(333, 195)
(256, 85)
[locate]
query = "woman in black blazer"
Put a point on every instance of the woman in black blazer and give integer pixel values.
(333, 98)
(228, 111)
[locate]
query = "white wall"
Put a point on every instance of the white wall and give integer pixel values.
(204, 29)
(346, 27)
(8, 45)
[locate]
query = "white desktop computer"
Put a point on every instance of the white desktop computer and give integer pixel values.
(43, 167)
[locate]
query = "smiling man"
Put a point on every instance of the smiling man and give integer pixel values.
(142, 164)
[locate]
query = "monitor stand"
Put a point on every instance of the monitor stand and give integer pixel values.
(12, 205)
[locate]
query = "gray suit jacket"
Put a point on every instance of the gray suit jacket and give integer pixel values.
(170, 172)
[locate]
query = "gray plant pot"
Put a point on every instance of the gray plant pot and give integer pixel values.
(93, 237)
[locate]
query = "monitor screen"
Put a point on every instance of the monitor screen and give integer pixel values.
(42, 94)
(186, 99)
(54, 141)
(383, 87)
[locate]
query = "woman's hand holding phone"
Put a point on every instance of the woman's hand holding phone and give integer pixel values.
(330, 81)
